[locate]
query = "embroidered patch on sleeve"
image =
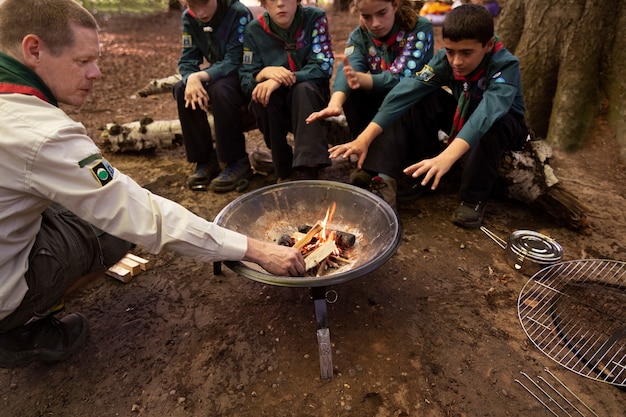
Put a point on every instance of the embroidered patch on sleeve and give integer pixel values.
(186, 40)
(426, 74)
(349, 50)
(247, 56)
(103, 171)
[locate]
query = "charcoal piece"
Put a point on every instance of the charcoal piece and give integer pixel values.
(286, 240)
(342, 239)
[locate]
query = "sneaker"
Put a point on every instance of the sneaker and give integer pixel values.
(469, 214)
(47, 340)
(386, 188)
(231, 176)
(202, 175)
(361, 178)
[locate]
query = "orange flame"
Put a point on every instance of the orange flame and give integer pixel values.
(329, 215)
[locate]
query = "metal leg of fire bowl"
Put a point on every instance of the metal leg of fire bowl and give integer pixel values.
(217, 268)
(323, 333)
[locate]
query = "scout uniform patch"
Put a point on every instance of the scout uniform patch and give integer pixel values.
(426, 74)
(247, 56)
(101, 169)
(186, 40)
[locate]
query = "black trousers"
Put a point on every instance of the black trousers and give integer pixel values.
(228, 105)
(286, 112)
(414, 137)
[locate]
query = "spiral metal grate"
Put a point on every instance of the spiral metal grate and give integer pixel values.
(575, 313)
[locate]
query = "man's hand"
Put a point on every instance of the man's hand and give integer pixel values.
(196, 96)
(275, 259)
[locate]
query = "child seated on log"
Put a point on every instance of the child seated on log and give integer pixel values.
(487, 117)
(391, 42)
(287, 65)
(213, 32)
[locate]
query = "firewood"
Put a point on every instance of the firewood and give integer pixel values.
(127, 267)
(132, 266)
(120, 273)
(143, 135)
(529, 178)
(320, 253)
(310, 234)
(344, 239)
(143, 263)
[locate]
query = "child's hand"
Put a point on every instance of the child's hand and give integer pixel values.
(196, 96)
(279, 74)
(356, 147)
(263, 91)
(351, 75)
(329, 111)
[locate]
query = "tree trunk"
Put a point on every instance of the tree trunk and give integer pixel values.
(571, 63)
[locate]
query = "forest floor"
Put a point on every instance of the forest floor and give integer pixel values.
(433, 332)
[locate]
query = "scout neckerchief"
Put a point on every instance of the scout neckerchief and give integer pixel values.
(464, 103)
(289, 36)
(15, 77)
(384, 44)
(211, 26)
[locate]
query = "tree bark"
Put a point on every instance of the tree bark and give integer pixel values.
(571, 62)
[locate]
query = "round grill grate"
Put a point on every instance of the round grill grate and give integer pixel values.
(575, 313)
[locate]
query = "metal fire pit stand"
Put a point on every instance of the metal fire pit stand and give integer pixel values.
(323, 332)
(270, 211)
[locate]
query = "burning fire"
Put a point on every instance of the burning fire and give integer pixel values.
(321, 247)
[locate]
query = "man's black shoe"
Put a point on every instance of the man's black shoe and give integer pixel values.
(47, 340)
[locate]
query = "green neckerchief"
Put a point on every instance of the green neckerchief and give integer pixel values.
(16, 77)
(288, 35)
(220, 12)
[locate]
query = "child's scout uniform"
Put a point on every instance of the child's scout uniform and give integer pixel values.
(306, 50)
(220, 43)
(487, 111)
(399, 54)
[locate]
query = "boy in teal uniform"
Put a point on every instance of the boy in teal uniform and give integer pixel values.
(287, 65)
(213, 32)
(488, 117)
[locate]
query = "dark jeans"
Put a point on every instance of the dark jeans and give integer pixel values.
(228, 105)
(66, 249)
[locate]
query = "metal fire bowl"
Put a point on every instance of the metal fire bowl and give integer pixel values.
(269, 212)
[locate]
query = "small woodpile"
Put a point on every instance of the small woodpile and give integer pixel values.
(324, 250)
(128, 267)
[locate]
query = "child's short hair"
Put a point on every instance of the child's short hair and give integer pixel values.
(468, 21)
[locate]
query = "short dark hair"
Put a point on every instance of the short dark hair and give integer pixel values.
(48, 19)
(468, 21)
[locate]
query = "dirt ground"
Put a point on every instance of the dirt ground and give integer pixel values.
(433, 332)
